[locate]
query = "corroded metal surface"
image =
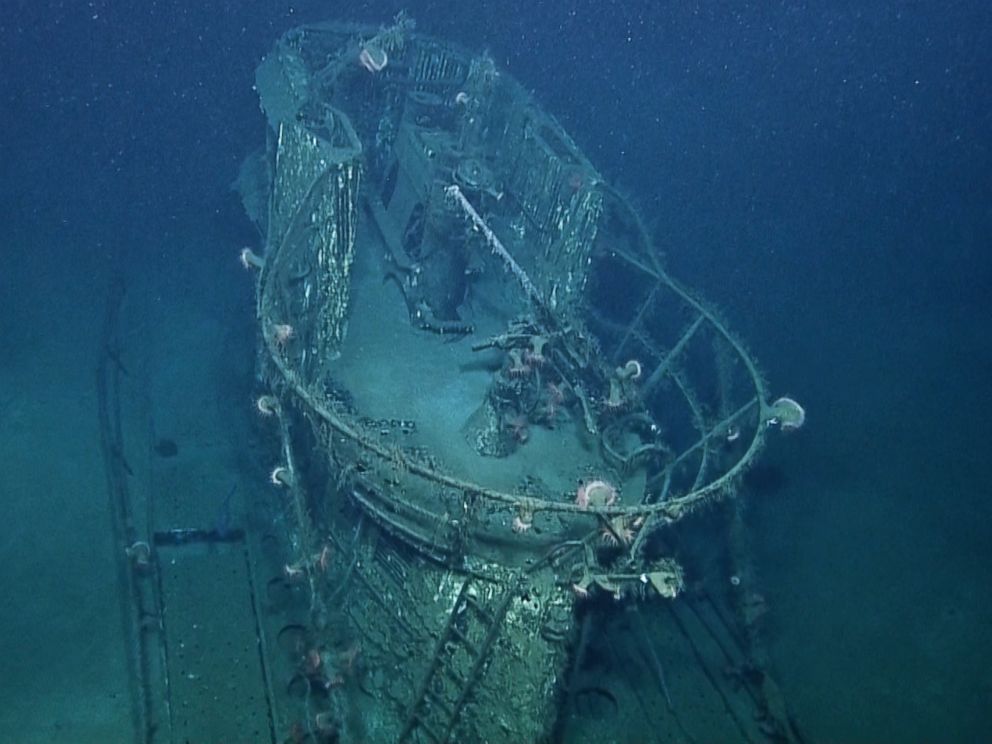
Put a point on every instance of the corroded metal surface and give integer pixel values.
(215, 680)
(456, 479)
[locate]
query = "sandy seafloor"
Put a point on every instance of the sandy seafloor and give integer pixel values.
(871, 544)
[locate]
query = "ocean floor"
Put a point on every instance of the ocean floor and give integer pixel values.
(65, 666)
(64, 669)
(874, 547)
(870, 546)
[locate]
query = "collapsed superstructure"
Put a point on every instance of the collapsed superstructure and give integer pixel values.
(492, 400)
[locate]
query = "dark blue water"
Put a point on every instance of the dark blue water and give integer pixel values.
(822, 171)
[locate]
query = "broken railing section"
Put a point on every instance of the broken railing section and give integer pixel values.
(454, 193)
(568, 365)
(668, 511)
(426, 530)
(286, 290)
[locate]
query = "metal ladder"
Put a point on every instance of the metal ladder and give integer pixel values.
(445, 687)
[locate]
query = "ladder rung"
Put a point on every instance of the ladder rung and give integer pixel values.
(454, 676)
(480, 610)
(421, 723)
(465, 641)
(439, 702)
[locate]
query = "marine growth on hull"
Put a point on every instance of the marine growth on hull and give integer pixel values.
(492, 402)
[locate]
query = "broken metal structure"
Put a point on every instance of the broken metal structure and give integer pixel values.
(492, 400)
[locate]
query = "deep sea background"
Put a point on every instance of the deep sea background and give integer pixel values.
(820, 170)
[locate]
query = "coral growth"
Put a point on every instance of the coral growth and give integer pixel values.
(522, 521)
(596, 493)
(534, 355)
(281, 476)
(786, 413)
(373, 58)
(250, 260)
(282, 334)
(267, 405)
(630, 371)
(517, 366)
(140, 554)
(620, 531)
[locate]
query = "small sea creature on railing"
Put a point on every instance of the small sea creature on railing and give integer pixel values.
(522, 521)
(785, 413)
(267, 405)
(281, 476)
(596, 493)
(282, 334)
(251, 260)
(140, 554)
